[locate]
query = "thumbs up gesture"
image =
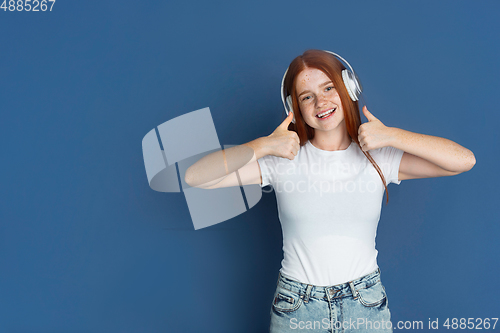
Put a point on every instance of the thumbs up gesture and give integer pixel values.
(282, 142)
(373, 134)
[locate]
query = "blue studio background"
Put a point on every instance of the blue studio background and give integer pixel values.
(87, 246)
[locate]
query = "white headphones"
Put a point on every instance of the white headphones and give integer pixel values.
(350, 79)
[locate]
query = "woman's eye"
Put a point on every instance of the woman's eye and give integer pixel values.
(330, 88)
(305, 98)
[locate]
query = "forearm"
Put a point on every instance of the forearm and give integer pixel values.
(445, 153)
(214, 167)
(259, 146)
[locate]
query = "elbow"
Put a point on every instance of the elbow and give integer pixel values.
(188, 177)
(470, 162)
(188, 181)
(473, 161)
(466, 164)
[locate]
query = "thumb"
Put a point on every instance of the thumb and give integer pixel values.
(368, 114)
(287, 120)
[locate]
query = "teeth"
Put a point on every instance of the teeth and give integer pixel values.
(324, 114)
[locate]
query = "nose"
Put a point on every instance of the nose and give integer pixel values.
(321, 101)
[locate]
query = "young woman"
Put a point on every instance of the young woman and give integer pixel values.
(329, 173)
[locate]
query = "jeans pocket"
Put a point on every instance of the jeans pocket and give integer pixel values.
(372, 296)
(286, 300)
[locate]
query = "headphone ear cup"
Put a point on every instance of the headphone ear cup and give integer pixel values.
(352, 84)
(289, 106)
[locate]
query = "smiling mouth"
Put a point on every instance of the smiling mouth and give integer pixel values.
(326, 114)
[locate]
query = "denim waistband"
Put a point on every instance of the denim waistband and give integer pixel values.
(350, 288)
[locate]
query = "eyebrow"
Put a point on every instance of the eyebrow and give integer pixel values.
(321, 85)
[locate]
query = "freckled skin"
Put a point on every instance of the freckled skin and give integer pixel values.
(425, 155)
(329, 134)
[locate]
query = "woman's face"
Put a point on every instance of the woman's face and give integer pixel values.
(316, 96)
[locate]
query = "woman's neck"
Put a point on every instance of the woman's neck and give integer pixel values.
(331, 140)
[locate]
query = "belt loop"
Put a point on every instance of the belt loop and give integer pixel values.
(354, 291)
(308, 293)
(279, 278)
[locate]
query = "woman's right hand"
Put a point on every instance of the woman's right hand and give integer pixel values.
(282, 142)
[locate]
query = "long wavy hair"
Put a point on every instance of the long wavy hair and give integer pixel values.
(332, 67)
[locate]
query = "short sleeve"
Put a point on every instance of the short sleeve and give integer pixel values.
(388, 159)
(267, 166)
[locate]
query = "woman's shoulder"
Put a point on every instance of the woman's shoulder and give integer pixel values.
(283, 160)
(387, 154)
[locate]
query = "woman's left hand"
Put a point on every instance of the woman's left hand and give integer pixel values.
(373, 134)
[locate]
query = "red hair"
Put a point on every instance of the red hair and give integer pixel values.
(332, 67)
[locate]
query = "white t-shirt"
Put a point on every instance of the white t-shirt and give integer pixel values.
(329, 205)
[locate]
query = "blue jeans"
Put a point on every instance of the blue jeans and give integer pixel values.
(356, 306)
